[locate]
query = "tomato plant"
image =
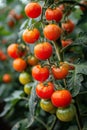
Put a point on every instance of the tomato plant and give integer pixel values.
(49, 60)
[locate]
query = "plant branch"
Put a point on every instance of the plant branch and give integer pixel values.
(78, 116)
(57, 51)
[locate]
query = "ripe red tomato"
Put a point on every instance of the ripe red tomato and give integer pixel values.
(66, 114)
(53, 14)
(19, 64)
(15, 51)
(52, 32)
(43, 50)
(32, 60)
(68, 26)
(61, 98)
(45, 91)
(31, 36)
(6, 78)
(60, 72)
(33, 10)
(40, 73)
(66, 42)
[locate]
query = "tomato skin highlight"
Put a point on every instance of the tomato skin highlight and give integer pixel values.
(33, 10)
(66, 114)
(53, 14)
(31, 36)
(44, 91)
(40, 73)
(43, 50)
(61, 98)
(52, 32)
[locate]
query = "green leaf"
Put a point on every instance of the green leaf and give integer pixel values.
(83, 18)
(32, 104)
(21, 125)
(7, 108)
(81, 39)
(75, 82)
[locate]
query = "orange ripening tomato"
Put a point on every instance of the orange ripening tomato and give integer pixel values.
(19, 64)
(52, 32)
(44, 91)
(53, 14)
(6, 78)
(61, 98)
(43, 50)
(33, 10)
(40, 73)
(31, 36)
(60, 72)
(32, 60)
(66, 42)
(68, 26)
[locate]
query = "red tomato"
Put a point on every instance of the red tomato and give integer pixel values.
(19, 64)
(54, 14)
(44, 91)
(40, 73)
(61, 98)
(15, 51)
(52, 32)
(6, 78)
(43, 50)
(33, 10)
(31, 36)
(66, 42)
(68, 26)
(60, 72)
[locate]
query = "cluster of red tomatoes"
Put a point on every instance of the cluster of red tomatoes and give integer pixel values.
(51, 100)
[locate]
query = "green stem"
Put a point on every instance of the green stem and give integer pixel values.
(70, 2)
(41, 122)
(57, 51)
(78, 116)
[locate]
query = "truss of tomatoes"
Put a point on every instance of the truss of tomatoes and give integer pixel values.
(54, 101)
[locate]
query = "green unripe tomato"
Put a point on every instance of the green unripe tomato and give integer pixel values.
(46, 105)
(24, 78)
(27, 88)
(66, 114)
